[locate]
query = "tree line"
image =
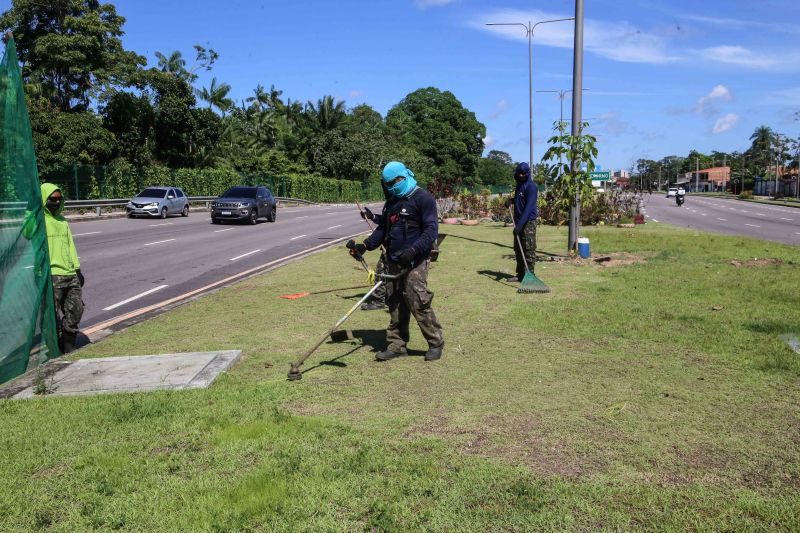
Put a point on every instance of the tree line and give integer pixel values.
(92, 102)
(769, 152)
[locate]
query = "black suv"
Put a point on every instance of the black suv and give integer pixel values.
(244, 203)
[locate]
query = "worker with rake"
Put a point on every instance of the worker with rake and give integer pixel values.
(526, 197)
(408, 228)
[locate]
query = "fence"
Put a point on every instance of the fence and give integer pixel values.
(84, 182)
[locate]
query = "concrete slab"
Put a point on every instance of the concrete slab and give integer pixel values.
(191, 370)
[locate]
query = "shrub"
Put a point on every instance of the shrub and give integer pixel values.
(746, 195)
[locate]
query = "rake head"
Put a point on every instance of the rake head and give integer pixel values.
(531, 283)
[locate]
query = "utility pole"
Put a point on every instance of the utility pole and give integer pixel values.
(726, 174)
(696, 174)
(777, 154)
(577, 101)
(659, 177)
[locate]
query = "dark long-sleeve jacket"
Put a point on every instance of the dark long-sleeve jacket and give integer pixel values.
(526, 198)
(409, 222)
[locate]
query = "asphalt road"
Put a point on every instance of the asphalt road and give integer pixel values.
(133, 263)
(728, 216)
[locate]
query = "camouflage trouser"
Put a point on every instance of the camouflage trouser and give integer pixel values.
(528, 239)
(410, 296)
(379, 296)
(69, 305)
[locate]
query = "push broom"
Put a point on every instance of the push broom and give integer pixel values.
(530, 283)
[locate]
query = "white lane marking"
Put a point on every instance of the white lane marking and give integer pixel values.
(158, 242)
(162, 224)
(291, 211)
(132, 298)
(761, 214)
(752, 225)
(789, 219)
(221, 230)
(243, 255)
(336, 226)
(298, 218)
(743, 211)
(722, 219)
(298, 237)
(89, 233)
(703, 214)
(331, 213)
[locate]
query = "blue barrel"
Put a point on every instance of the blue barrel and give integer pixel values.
(583, 247)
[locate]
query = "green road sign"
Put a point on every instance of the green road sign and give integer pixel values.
(600, 176)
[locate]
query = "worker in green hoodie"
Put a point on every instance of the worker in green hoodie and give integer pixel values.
(65, 268)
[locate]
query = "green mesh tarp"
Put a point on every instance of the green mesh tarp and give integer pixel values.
(27, 315)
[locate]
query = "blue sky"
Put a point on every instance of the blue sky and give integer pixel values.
(664, 77)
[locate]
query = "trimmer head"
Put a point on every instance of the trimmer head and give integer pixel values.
(294, 373)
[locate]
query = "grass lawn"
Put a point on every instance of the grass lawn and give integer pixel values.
(650, 393)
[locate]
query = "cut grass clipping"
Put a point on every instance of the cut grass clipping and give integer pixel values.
(649, 392)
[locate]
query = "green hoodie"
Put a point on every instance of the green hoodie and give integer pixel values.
(63, 254)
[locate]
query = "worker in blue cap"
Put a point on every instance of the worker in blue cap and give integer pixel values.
(526, 199)
(408, 228)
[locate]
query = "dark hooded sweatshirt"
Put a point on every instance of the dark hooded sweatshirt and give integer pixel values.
(526, 198)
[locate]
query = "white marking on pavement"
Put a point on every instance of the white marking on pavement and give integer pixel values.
(337, 226)
(752, 225)
(291, 211)
(761, 214)
(722, 219)
(89, 233)
(331, 213)
(703, 214)
(132, 298)
(304, 216)
(158, 242)
(789, 219)
(298, 237)
(243, 255)
(162, 224)
(221, 230)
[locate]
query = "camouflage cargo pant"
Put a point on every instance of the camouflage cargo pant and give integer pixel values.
(69, 304)
(410, 296)
(528, 240)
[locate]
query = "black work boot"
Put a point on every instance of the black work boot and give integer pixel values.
(389, 354)
(434, 354)
(68, 342)
(373, 306)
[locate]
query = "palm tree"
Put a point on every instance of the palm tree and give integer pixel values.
(260, 98)
(327, 114)
(216, 95)
(174, 64)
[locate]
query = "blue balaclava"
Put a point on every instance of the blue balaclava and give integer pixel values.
(522, 173)
(402, 188)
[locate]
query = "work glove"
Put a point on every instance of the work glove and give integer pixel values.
(367, 214)
(81, 279)
(517, 231)
(406, 257)
(356, 250)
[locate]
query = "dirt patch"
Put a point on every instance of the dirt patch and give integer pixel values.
(615, 259)
(757, 262)
(55, 470)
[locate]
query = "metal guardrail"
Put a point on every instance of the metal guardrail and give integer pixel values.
(98, 205)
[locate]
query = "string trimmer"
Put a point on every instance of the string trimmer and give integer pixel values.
(294, 370)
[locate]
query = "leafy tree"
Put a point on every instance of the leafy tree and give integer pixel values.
(499, 155)
(175, 63)
(64, 139)
(495, 170)
(131, 119)
(326, 114)
(435, 124)
(71, 47)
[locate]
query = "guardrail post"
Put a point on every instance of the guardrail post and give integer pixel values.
(99, 210)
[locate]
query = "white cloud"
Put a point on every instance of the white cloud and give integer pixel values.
(719, 93)
(725, 123)
(612, 123)
(741, 56)
(488, 141)
(500, 108)
(354, 94)
(619, 41)
(788, 97)
(425, 4)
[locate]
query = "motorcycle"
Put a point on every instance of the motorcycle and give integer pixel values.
(679, 199)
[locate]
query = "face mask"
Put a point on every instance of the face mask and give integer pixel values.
(521, 178)
(53, 205)
(403, 187)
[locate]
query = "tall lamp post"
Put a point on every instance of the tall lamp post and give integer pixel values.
(529, 29)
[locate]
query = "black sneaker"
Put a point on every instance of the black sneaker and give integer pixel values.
(434, 354)
(373, 306)
(389, 354)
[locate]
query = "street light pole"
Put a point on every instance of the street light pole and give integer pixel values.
(529, 29)
(577, 102)
(561, 93)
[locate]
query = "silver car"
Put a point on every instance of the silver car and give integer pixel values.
(159, 202)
